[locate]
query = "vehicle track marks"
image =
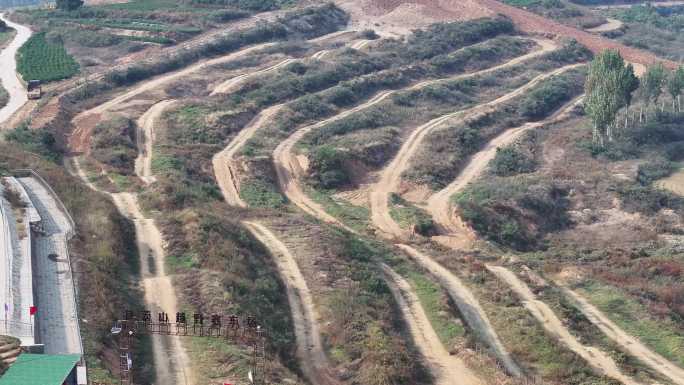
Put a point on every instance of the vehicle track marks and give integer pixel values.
(448, 369)
(596, 358)
(290, 171)
(145, 140)
(172, 365)
(310, 352)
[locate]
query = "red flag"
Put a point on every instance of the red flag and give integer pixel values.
(33, 310)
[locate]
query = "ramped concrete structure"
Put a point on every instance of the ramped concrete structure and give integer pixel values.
(16, 218)
(56, 319)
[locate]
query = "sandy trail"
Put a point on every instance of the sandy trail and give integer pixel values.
(310, 352)
(390, 178)
(79, 139)
(172, 365)
(290, 171)
(468, 305)
(145, 140)
(597, 359)
(609, 25)
(223, 161)
(361, 44)
(231, 84)
(9, 76)
(439, 204)
(447, 368)
(674, 182)
(630, 344)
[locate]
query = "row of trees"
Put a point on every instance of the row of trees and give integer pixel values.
(611, 84)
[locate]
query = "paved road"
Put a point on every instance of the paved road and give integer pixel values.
(8, 75)
(56, 319)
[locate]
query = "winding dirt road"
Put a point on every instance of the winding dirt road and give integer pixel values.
(630, 344)
(468, 305)
(439, 204)
(390, 177)
(231, 84)
(79, 140)
(609, 25)
(447, 368)
(224, 161)
(596, 358)
(9, 76)
(290, 171)
(172, 365)
(310, 352)
(145, 140)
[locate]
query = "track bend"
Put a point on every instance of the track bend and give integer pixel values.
(632, 345)
(8, 76)
(172, 365)
(145, 140)
(290, 171)
(390, 177)
(468, 305)
(224, 161)
(439, 204)
(310, 352)
(230, 84)
(599, 360)
(448, 369)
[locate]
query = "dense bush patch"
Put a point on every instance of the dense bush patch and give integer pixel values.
(514, 212)
(511, 160)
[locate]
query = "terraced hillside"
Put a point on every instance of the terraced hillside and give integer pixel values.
(393, 207)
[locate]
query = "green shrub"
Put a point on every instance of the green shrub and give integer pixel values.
(327, 166)
(647, 199)
(514, 212)
(546, 98)
(675, 151)
(39, 59)
(653, 170)
(511, 161)
(37, 141)
(114, 144)
(369, 34)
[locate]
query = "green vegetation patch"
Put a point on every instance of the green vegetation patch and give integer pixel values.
(356, 217)
(515, 212)
(114, 144)
(411, 217)
(435, 302)
(663, 335)
(257, 193)
(39, 59)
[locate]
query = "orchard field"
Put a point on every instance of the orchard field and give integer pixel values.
(46, 61)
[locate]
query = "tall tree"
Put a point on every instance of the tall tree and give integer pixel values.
(69, 5)
(652, 83)
(675, 86)
(608, 88)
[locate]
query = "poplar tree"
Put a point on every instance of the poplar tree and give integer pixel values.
(652, 83)
(609, 87)
(675, 86)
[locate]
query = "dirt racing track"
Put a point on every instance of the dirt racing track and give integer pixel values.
(171, 360)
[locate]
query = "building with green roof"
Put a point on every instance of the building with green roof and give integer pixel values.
(42, 369)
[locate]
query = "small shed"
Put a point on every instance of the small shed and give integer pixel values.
(42, 369)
